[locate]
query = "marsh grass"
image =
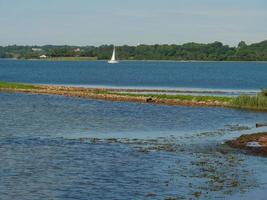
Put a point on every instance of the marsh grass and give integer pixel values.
(258, 102)
(6, 85)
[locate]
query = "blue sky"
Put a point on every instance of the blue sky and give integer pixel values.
(96, 22)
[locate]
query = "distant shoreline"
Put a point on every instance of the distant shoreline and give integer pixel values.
(84, 59)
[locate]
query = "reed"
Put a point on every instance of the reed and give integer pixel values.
(258, 102)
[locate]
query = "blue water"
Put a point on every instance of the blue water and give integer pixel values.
(57, 116)
(55, 147)
(203, 75)
(46, 153)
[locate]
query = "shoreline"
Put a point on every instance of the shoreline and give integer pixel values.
(85, 59)
(256, 103)
(171, 90)
(254, 144)
(120, 95)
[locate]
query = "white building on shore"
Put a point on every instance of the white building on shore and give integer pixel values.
(43, 56)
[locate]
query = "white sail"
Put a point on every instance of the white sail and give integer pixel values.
(113, 54)
(113, 58)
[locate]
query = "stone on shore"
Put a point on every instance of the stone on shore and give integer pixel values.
(255, 144)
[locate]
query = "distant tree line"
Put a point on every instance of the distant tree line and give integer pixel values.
(190, 51)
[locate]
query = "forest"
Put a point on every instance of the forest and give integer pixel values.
(215, 51)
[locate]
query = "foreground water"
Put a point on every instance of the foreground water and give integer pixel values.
(53, 147)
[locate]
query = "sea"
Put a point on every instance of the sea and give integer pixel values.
(55, 147)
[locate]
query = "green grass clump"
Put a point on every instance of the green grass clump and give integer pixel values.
(252, 102)
(5, 85)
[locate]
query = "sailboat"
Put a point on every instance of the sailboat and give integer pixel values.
(113, 58)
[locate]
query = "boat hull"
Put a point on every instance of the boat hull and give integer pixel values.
(113, 62)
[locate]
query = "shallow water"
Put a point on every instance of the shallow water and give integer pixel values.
(53, 147)
(56, 116)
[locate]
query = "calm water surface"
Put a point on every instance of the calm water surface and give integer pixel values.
(179, 75)
(53, 147)
(47, 150)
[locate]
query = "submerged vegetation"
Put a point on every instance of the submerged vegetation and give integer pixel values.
(215, 51)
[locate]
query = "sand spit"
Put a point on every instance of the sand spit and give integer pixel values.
(112, 95)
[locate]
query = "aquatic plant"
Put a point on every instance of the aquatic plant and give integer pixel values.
(252, 102)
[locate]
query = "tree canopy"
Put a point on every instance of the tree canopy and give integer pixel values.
(190, 51)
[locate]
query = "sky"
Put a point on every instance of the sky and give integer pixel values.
(131, 22)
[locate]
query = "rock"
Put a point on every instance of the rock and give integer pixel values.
(149, 100)
(253, 144)
(260, 125)
(263, 140)
(150, 194)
